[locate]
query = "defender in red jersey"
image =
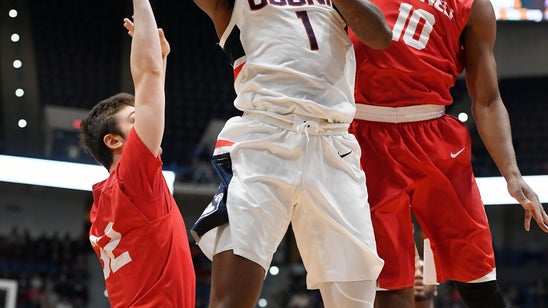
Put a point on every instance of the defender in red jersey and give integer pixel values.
(137, 230)
(418, 159)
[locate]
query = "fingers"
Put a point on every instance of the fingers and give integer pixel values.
(161, 33)
(531, 204)
(128, 24)
(545, 220)
(163, 41)
(527, 221)
(535, 210)
(542, 220)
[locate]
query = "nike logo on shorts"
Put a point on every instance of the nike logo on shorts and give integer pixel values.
(345, 154)
(454, 155)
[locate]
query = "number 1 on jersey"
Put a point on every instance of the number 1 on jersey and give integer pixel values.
(303, 16)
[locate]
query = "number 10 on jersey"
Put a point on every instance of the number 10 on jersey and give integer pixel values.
(407, 23)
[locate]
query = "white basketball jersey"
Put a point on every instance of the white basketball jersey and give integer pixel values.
(291, 57)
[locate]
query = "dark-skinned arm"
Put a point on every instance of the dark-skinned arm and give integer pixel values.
(489, 112)
(367, 21)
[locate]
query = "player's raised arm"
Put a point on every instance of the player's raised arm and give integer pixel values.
(367, 21)
(147, 70)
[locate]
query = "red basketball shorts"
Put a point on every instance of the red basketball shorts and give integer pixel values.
(424, 169)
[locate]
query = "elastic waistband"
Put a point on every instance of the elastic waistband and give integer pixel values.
(312, 126)
(398, 114)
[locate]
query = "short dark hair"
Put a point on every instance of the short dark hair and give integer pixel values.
(100, 121)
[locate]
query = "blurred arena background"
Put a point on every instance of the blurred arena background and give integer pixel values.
(60, 57)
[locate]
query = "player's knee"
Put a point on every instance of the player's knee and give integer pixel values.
(480, 295)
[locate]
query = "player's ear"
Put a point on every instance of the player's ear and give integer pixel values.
(113, 141)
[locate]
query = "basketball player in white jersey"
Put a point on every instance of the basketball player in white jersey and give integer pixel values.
(289, 157)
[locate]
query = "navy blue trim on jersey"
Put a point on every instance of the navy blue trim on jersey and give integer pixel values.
(233, 48)
(215, 213)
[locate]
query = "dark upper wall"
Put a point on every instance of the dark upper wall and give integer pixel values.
(521, 49)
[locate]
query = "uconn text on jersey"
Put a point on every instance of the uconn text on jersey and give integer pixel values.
(259, 4)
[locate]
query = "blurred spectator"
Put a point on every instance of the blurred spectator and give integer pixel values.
(51, 272)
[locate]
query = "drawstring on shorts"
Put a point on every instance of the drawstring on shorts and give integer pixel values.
(309, 126)
(302, 125)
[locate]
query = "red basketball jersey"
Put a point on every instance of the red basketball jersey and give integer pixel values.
(139, 235)
(423, 60)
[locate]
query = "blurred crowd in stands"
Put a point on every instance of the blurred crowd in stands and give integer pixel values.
(51, 271)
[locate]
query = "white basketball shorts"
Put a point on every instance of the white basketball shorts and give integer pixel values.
(306, 173)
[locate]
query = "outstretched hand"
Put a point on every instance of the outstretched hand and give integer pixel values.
(128, 24)
(530, 203)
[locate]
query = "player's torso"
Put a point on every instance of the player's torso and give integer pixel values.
(291, 56)
(424, 58)
(126, 243)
